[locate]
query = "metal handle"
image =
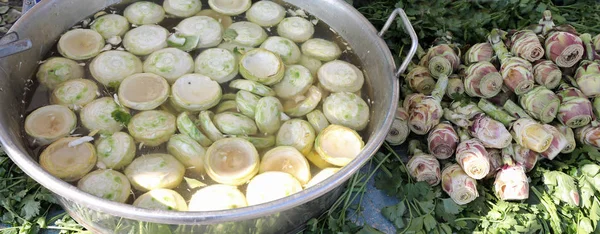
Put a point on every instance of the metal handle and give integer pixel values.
(28, 4)
(411, 32)
(10, 44)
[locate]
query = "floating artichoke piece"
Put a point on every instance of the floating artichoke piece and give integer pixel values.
(228, 7)
(541, 103)
(161, 199)
(186, 126)
(152, 127)
(441, 60)
(286, 159)
(483, 80)
(321, 176)
(183, 42)
(526, 44)
(297, 133)
(145, 39)
(245, 33)
(490, 132)
(268, 115)
(285, 48)
(458, 185)
(472, 156)
(74, 93)
(455, 88)
(231, 123)
(217, 197)
(67, 162)
(111, 67)
(80, 44)
(110, 25)
(187, 151)
(303, 104)
(479, 52)
(218, 64)
(340, 76)
(427, 112)
(225, 20)
(531, 135)
(559, 142)
(589, 135)
(525, 157)
(98, 115)
(195, 92)
(442, 141)
(208, 30)
(569, 136)
(154, 171)
(495, 157)
(546, 73)
(144, 13)
(208, 127)
(511, 183)
(575, 112)
(318, 121)
(296, 81)
(421, 166)
(246, 103)
(461, 113)
(107, 184)
(143, 91)
(338, 145)
(226, 106)
(170, 63)
(232, 161)
(265, 13)
(321, 49)
(50, 123)
(564, 48)
(270, 186)
(316, 159)
(182, 8)
(347, 109)
(253, 87)
(296, 29)
(419, 79)
(115, 151)
(262, 66)
(260, 142)
(57, 70)
(311, 63)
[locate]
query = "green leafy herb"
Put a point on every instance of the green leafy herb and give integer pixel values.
(121, 116)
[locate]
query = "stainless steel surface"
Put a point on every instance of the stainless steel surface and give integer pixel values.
(44, 24)
(411, 32)
(14, 47)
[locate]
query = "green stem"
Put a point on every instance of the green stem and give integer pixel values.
(495, 112)
(515, 110)
(463, 134)
(389, 148)
(440, 87)
(413, 147)
(587, 41)
(496, 40)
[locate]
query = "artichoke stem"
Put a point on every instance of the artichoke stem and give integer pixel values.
(507, 156)
(495, 112)
(463, 134)
(515, 110)
(587, 41)
(440, 87)
(496, 40)
(413, 147)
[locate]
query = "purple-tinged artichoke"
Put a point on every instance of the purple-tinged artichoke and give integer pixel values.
(569, 135)
(525, 157)
(541, 103)
(531, 135)
(563, 48)
(526, 44)
(589, 135)
(455, 87)
(411, 100)
(596, 43)
(495, 112)
(399, 130)
(490, 132)
(482, 79)
(419, 79)
(587, 76)
(559, 142)
(575, 112)
(428, 111)
(495, 157)
(562, 187)
(461, 113)
(472, 156)
(546, 73)
(516, 72)
(442, 141)
(441, 60)
(480, 52)
(458, 185)
(421, 166)
(511, 182)
(564, 90)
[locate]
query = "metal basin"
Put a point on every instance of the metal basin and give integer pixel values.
(44, 24)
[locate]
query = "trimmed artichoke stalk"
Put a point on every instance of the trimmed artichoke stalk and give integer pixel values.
(399, 130)
(531, 135)
(546, 73)
(569, 135)
(525, 157)
(455, 87)
(596, 43)
(495, 112)
(421, 166)
(564, 48)
(419, 79)
(442, 141)
(472, 156)
(479, 52)
(458, 185)
(589, 135)
(596, 107)
(515, 110)
(461, 113)
(564, 90)
(587, 75)
(441, 60)
(428, 112)
(511, 182)
(526, 44)
(483, 80)
(516, 72)
(495, 157)
(541, 103)
(490, 132)
(575, 112)
(559, 142)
